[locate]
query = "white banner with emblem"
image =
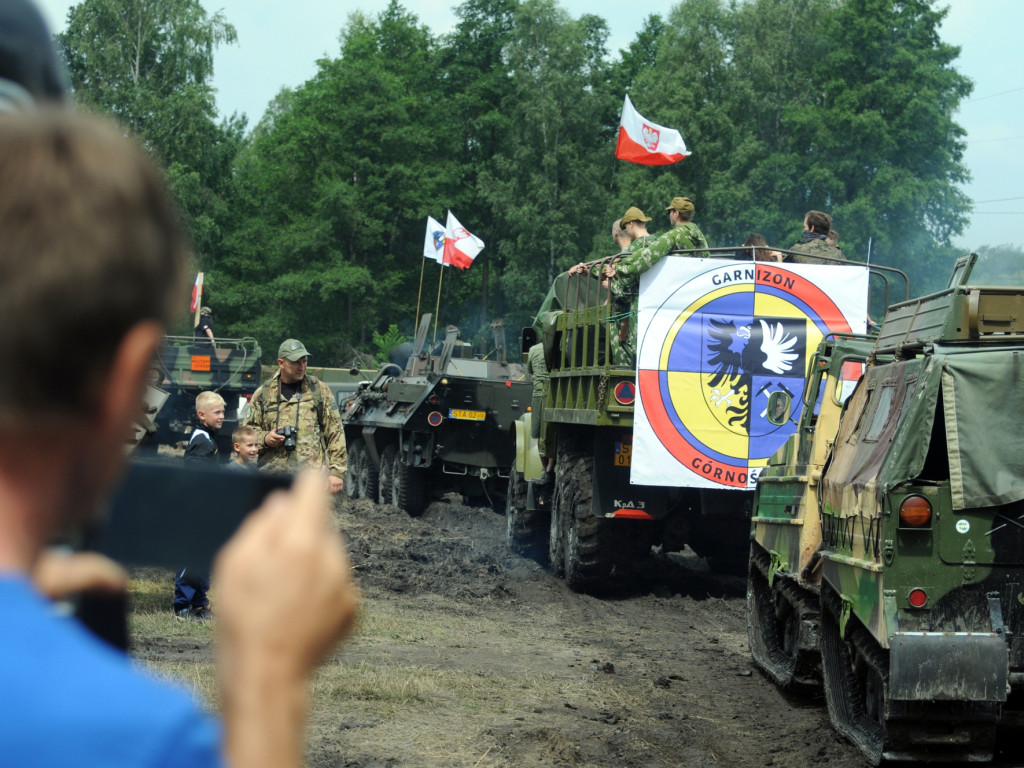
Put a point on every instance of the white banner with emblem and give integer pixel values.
(715, 339)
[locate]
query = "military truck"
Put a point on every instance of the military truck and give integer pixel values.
(921, 512)
(442, 424)
(184, 368)
(608, 504)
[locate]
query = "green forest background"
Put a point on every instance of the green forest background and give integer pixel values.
(310, 223)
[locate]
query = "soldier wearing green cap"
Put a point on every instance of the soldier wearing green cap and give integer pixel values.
(626, 273)
(293, 398)
(634, 222)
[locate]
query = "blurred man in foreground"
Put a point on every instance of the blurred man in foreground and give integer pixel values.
(89, 234)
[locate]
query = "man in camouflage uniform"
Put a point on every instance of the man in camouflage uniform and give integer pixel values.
(815, 243)
(537, 370)
(634, 222)
(626, 272)
(294, 398)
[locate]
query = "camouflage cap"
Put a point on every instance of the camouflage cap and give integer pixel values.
(633, 214)
(681, 204)
(292, 349)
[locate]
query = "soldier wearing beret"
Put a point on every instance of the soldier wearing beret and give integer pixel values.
(293, 398)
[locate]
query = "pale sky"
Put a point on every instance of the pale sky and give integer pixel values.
(279, 43)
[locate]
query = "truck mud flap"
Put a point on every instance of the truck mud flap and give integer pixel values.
(950, 666)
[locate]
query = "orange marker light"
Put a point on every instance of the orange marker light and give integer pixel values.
(915, 512)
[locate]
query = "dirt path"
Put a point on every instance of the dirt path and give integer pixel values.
(468, 656)
(504, 666)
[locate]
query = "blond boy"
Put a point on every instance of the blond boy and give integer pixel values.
(246, 448)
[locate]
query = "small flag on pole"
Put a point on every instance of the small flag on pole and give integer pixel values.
(197, 293)
(433, 243)
(460, 245)
(646, 143)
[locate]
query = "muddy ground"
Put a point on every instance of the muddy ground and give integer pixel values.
(490, 661)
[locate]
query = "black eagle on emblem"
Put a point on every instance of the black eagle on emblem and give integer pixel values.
(738, 352)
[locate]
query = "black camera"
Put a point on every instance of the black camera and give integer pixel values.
(289, 433)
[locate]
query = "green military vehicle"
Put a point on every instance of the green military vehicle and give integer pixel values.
(921, 511)
(183, 368)
(442, 424)
(596, 520)
(783, 618)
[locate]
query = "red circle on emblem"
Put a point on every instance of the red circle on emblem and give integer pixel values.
(434, 419)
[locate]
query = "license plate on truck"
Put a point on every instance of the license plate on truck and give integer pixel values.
(623, 454)
(455, 413)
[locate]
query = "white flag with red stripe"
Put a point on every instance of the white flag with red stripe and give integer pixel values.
(460, 245)
(647, 143)
(197, 293)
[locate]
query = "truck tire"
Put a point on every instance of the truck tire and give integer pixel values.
(589, 551)
(356, 456)
(409, 487)
(525, 529)
(368, 472)
(384, 477)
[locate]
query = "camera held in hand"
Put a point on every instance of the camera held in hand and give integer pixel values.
(289, 433)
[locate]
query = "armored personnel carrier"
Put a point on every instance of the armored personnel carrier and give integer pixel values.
(444, 423)
(915, 588)
(183, 369)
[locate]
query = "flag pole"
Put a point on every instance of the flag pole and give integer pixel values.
(438, 307)
(423, 266)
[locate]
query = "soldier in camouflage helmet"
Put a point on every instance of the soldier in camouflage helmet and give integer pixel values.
(814, 245)
(293, 398)
(626, 273)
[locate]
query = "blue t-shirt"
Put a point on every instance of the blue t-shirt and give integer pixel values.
(67, 698)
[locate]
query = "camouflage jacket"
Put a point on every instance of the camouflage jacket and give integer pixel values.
(537, 368)
(641, 242)
(630, 267)
(317, 444)
(808, 253)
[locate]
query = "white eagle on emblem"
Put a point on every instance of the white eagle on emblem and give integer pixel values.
(777, 348)
(651, 137)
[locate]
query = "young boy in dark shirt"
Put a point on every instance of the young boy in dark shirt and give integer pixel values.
(190, 600)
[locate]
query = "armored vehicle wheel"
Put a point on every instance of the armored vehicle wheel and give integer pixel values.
(524, 528)
(356, 456)
(368, 472)
(589, 560)
(408, 487)
(387, 469)
(776, 616)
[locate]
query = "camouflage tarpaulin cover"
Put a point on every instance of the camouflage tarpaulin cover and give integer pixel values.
(983, 400)
(978, 393)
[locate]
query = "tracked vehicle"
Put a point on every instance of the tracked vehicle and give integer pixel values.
(442, 424)
(921, 512)
(666, 452)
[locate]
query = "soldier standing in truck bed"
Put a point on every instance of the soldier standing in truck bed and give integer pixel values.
(626, 272)
(814, 244)
(293, 398)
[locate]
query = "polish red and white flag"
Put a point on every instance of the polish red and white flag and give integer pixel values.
(460, 245)
(647, 143)
(197, 293)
